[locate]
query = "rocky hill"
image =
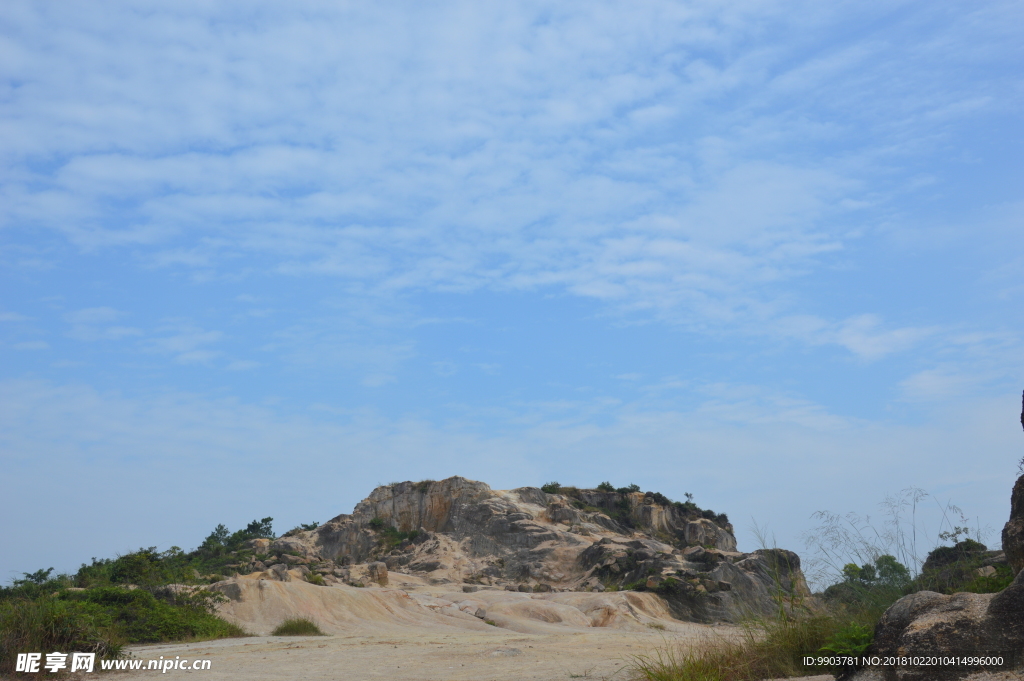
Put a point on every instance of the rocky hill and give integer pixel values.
(461, 532)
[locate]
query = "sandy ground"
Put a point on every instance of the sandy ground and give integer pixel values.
(418, 656)
(415, 631)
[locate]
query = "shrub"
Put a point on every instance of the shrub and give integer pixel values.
(606, 487)
(314, 578)
(551, 488)
(140, 617)
(850, 640)
(659, 498)
(628, 489)
(35, 585)
(298, 626)
(670, 587)
(391, 536)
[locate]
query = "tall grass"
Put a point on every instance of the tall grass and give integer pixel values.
(46, 625)
(765, 649)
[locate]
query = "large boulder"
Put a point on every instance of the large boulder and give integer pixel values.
(378, 573)
(929, 625)
(1013, 531)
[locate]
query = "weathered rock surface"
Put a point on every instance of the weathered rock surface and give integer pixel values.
(458, 531)
(1013, 531)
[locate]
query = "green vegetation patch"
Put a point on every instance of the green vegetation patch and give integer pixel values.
(44, 625)
(390, 536)
(298, 626)
(140, 616)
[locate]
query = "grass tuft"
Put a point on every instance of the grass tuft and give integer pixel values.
(298, 626)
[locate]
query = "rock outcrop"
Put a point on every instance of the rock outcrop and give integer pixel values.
(461, 532)
(1013, 531)
(929, 625)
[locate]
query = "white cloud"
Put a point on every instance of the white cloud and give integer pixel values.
(89, 324)
(93, 315)
(186, 343)
(31, 345)
(243, 365)
(865, 335)
(378, 380)
(937, 385)
(618, 175)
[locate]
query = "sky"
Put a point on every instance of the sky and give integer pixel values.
(258, 258)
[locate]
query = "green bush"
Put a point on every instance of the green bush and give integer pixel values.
(138, 616)
(298, 626)
(606, 487)
(850, 640)
(551, 487)
(391, 536)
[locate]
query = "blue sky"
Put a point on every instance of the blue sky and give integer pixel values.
(256, 259)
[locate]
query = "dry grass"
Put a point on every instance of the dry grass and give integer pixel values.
(767, 649)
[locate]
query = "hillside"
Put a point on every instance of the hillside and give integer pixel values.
(460, 532)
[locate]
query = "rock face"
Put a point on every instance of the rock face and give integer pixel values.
(1013, 531)
(458, 531)
(929, 624)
